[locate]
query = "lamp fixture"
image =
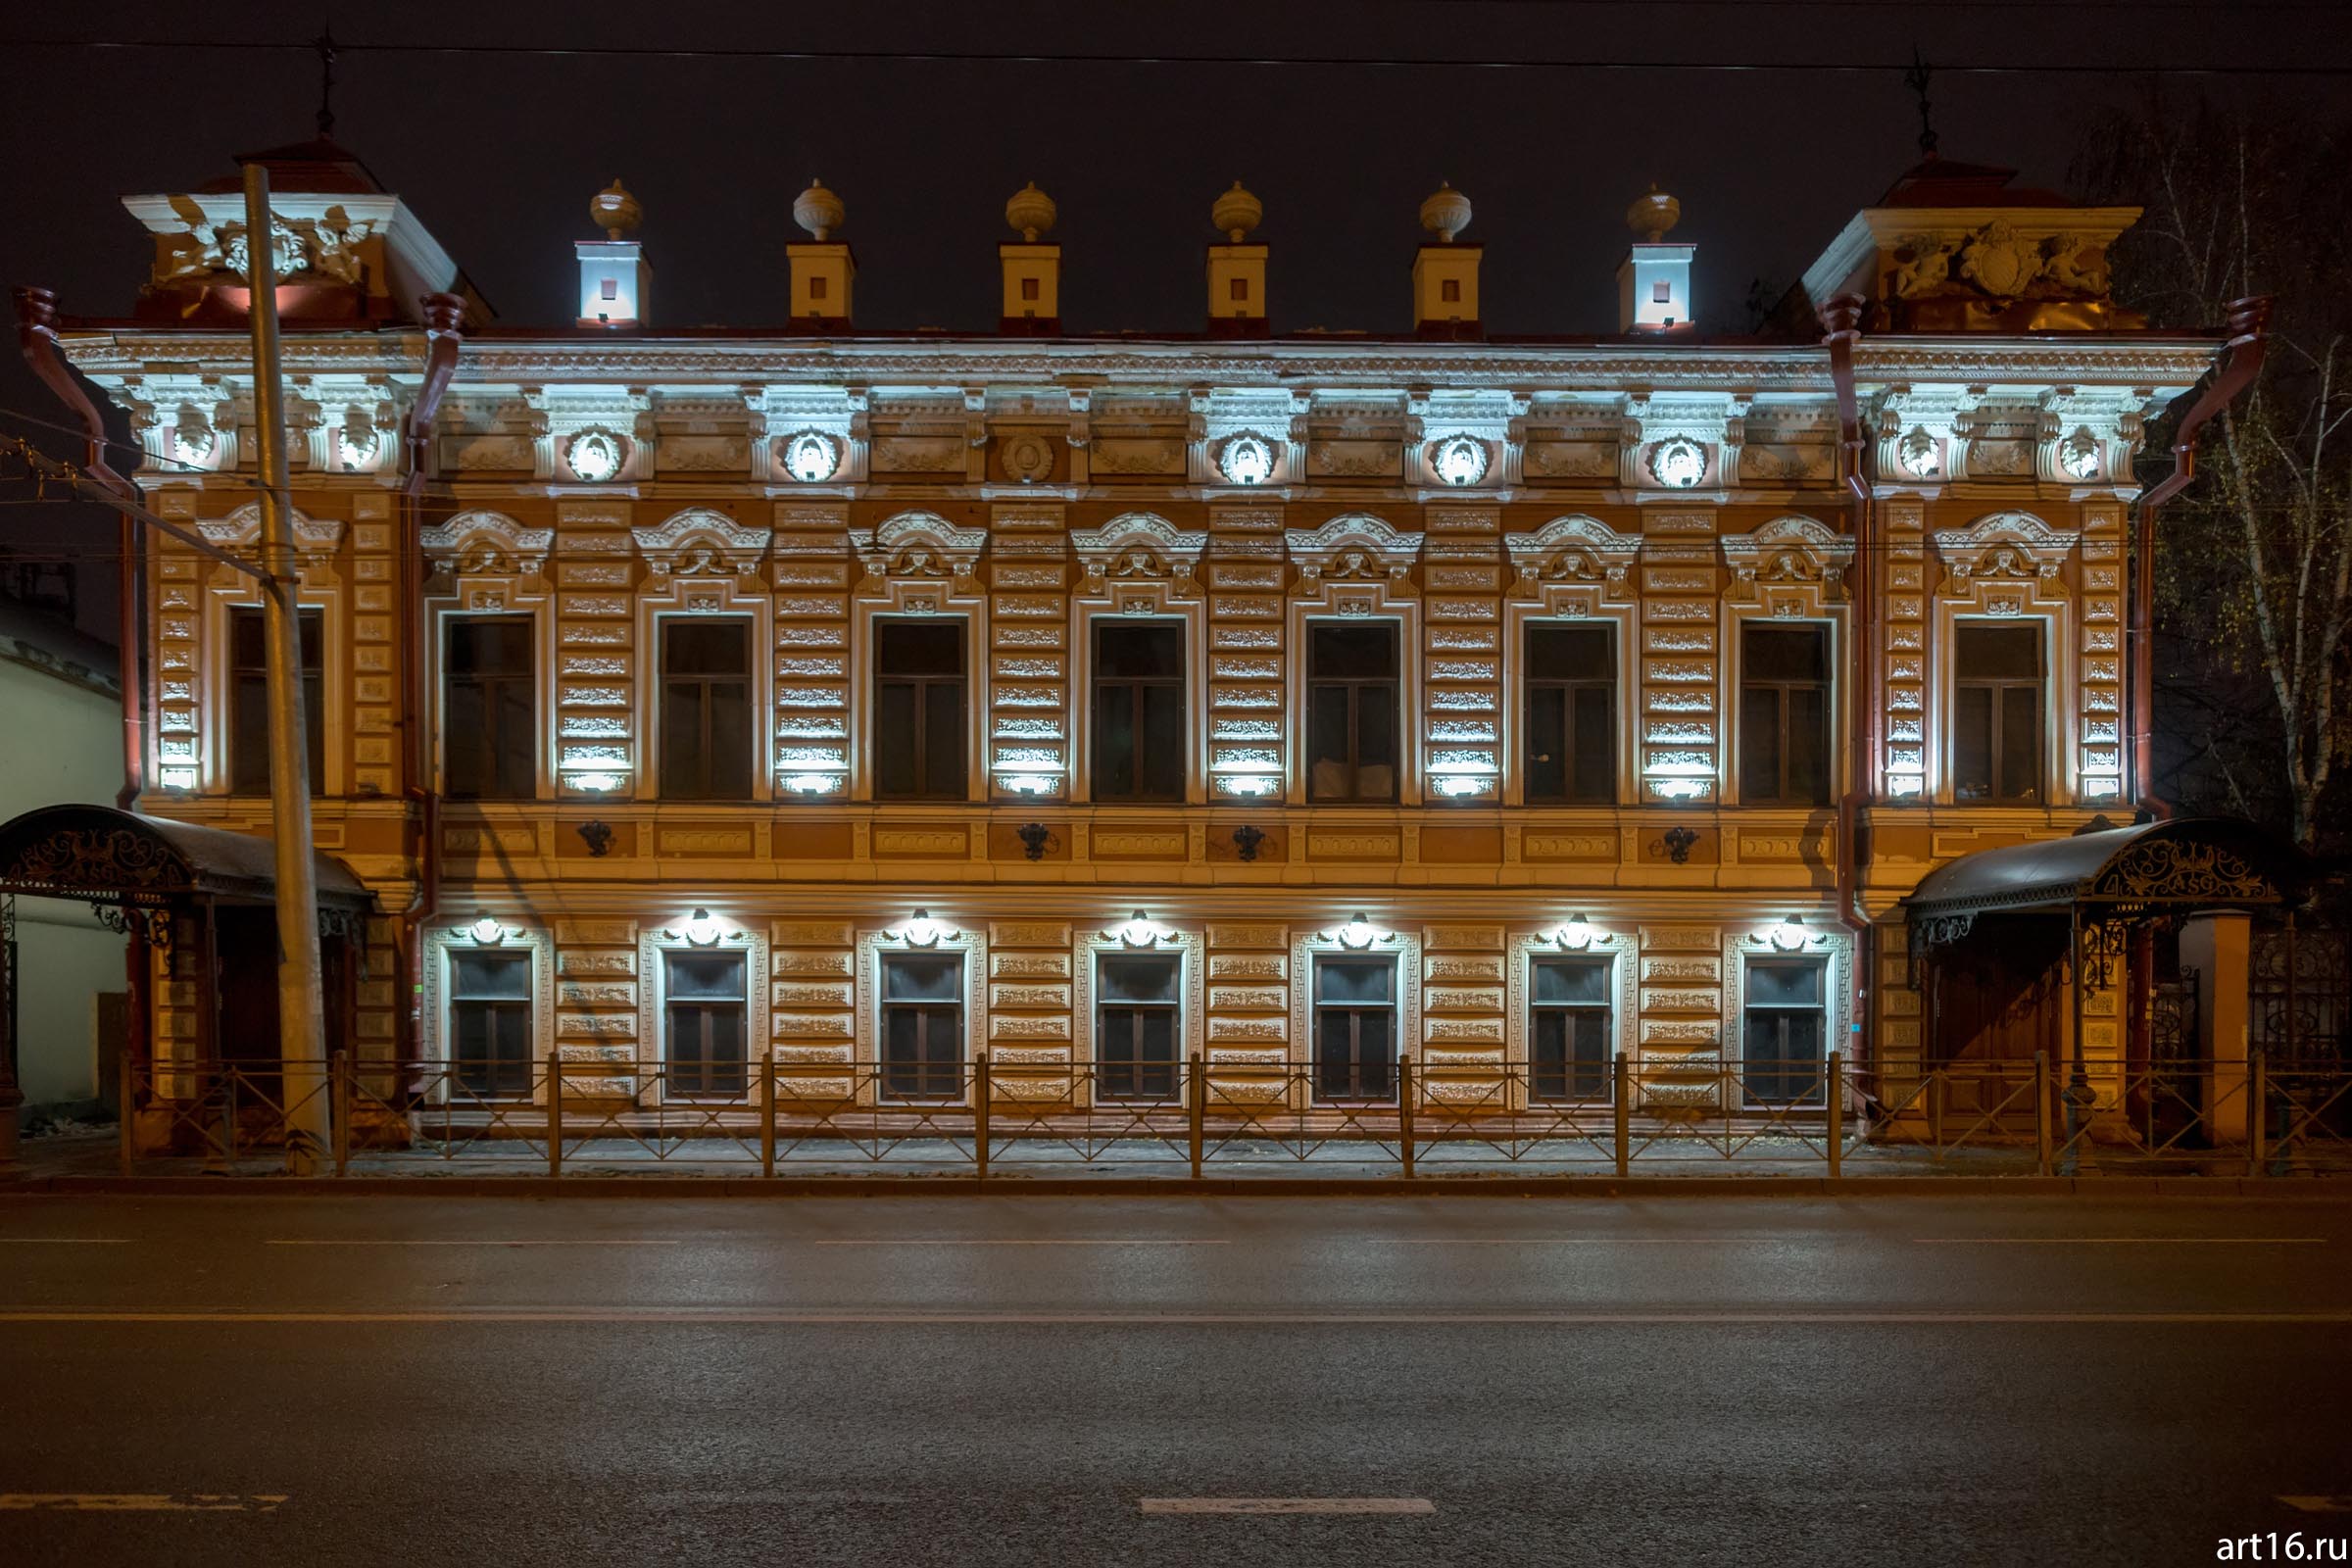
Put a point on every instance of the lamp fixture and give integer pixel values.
(486, 932)
(702, 928)
(1789, 934)
(921, 931)
(1357, 934)
(1139, 930)
(1577, 933)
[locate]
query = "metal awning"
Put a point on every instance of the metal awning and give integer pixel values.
(121, 857)
(2111, 875)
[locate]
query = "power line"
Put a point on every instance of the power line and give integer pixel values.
(2022, 67)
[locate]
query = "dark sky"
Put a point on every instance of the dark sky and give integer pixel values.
(497, 155)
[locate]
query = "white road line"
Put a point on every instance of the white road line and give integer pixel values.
(838, 1317)
(1573, 1241)
(140, 1502)
(2119, 1241)
(1054, 1241)
(1287, 1505)
(2341, 1503)
(460, 1241)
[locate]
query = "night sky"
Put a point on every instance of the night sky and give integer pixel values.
(497, 155)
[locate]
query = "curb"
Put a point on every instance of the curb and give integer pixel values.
(2323, 1188)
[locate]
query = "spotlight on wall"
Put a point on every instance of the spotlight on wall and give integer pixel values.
(921, 931)
(702, 928)
(1139, 931)
(1789, 934)
(486, 932)
(1357, 934)
(1576, 934)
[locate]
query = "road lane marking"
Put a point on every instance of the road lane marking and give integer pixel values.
(1042, 1241)
(2119, 1241)
(1572, 1241)
(1287, 1505)
(460, 1241)
(836, 1317)
(140, 1502)
(2339, 1503)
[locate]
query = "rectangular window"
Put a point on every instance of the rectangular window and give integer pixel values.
(1355, 1029)
(1236, 288)
(1996, 713)
(918, 710)
(1568, 1029)
(1661, 293)
(248, 701)
(707, 718)
(1451, 290)
(1784, 715)
(1352, 722)
(706, 1023)
(490, 1023)
(922, 1028)
(1782, 1034)
(1138, 711)
(1028, 288)
(816, 289)
(1569, 688)
(1136, 1028)
(489, 731)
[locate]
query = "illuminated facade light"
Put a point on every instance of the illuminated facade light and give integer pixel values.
(1460, 460)
(594, 456)
(1789, 934)
(1247, 459)
(702, 928)
(1357, 934)
(812, 456)
(486, 932)
(1678, 463)
(1139, 930)
(1677, 788)
(597, 783)
(921, 931)
(1460, 786)
(1576, 935)
(1029, 783)
(811, 783)
(1248, 785)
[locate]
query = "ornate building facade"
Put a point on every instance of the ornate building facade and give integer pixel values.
(867, 701)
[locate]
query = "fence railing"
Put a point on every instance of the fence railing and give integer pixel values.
(1594, 1116)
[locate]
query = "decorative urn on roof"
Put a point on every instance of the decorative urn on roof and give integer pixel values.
(1447, 213)
(615, 212)
(1031, 211)
(1653, 214)
(819, 210)
(1237, 213)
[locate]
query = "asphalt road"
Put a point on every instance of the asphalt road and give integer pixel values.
(256, 1381)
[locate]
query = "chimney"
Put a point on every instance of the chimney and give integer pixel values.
(1445, 270)
(1237, 272)
(823, 267)
(1032, 270)
(1654, 281)
(615, 282)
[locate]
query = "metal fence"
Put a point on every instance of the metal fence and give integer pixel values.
(1619, 1117)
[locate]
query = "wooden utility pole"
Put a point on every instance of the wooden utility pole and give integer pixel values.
(300, 1012)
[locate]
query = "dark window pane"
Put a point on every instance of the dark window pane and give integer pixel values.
(491, 976)
(2021, 743)
(1993, 652)
(895, 756)
(919, 647)
(1547, 757)
(1972, 741)
(716, 976)
(943, 740)
(1163, 772)
(1784, 985)
(1785, 652)
(1596, 748)
(515, 773)
(1150, 649)
(1346, 651)
(1760, 743)
(707, 646)
(248, 701)
(1327, 740)
(1115, 742)
(1572, 980)
(1569, 653)
(922, 979)
(1139, 979)
(1355, 980)
(1375, 736)
(730, 758)
(1808, 745)
(490, 645)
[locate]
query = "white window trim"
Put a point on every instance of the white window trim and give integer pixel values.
(919, 565)
(654, 944)
(2005, 569)
(1138, 566)
(718, 598)
(1792, 568)
(871, 947)
(317, 586)
(441, 942)
(1616, 946)
(1357, 568)
(496, 568)
(1401, 946)
(1824, 939)
(1573, 571)
(1192, 1020)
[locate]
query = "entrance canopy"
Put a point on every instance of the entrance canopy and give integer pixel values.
(2110, 875)
(139, 866)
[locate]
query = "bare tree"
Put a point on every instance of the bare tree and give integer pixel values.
(2254, 580)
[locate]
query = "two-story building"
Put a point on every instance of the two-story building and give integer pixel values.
(867, 701)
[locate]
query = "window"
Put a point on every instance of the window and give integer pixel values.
(1996, 713)
(922, 1028)
(1028, 288)
(1568, 1029)
(1135, 1020)
(249, 700)
(706, 719)
(490, 1022)
(1451, 290)
(1138, 711)
(1355, 1028)
(816, 289)
(1661, 293)
(705, 1005)
(1236, 288)
(1784, 715)
(1780, 1034)
(489, 735)
(1351, 710)
(1569, 688)
(918, 710)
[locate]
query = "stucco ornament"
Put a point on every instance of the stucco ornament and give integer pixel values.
(1236, 213)
(1459, 459)
(193, 437)
(2079, 455)
(1927, 269)
(819, 210)
(1031, 211)
(1247, 459)
(594, 456)
(1678, 463)
(812, 456)
(1445, 213)
(1028, 459)
(1918, 453)
(356, 443)
(1998, 262)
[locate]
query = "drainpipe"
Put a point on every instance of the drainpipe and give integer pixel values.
(36, 338)
(1841, 316)
(444, 314)
(2240, 360)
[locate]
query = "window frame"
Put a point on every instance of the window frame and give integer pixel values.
(1097, 682)
(959, 1066)
(658, 719)
(1530, 683)
(704, 1009)
(1174, 1010)
(2040, 684)
(1823, 1010)
(1318, 1009)
(1605, 1010)
(966, 704)
(233, 774)
(1309, 684)
(454, 1004)
(446, 627)
(1832, 695)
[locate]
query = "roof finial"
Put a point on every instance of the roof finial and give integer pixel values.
(325, 43)
(1916, 78)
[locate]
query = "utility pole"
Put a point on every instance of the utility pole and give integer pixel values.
(300, 1012)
